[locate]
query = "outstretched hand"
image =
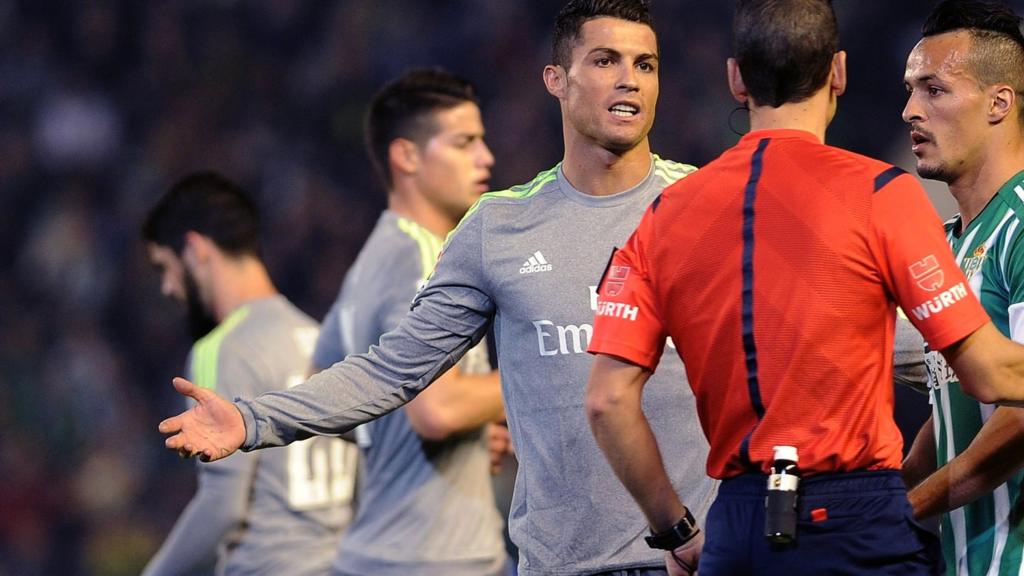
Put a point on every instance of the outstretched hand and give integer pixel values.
(212, 429)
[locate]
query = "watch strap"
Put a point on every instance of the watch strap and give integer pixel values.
(680, 533)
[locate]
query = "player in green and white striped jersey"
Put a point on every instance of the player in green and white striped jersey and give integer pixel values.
(966, 84)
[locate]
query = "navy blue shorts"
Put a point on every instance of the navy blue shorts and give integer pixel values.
(856, 524)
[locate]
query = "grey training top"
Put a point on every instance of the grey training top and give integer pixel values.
(280, 511)
(425, 508)
(530, 259)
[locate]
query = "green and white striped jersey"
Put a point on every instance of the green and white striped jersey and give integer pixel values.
(985, 537)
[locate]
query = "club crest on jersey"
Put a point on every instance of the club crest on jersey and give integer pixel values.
(927, 273)
(973, 264)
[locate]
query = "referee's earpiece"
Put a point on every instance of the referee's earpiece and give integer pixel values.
(738, 89)
(733, 121)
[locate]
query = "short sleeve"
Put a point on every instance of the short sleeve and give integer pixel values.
(1007, 263)
(917, 265)
(627, 324)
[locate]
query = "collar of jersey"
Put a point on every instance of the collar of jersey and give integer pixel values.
(609, 200)
(778, 133)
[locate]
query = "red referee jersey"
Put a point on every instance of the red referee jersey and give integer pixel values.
(775, 270)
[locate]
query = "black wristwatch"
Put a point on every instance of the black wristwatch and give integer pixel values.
(679, 534)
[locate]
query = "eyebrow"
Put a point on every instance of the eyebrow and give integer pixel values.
(618, 54)
(919, 79)
(601, 49)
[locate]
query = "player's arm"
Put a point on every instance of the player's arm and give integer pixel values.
(217, 508)
(992, 457)
(448, 318)
(221, 499)
(989, 365)
(456, 402)
(921, 460)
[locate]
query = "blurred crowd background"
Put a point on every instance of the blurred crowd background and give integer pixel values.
(103, 104)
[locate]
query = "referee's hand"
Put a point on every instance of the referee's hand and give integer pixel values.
(683, 560)
(212, 429)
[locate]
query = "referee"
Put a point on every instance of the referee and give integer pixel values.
(786, 332)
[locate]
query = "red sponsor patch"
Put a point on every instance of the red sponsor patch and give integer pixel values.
(819, 514)
(613, 288)
(618, 273)
(927, 273)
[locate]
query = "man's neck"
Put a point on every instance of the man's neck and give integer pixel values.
(599, 172)
(811, 115)
(974, 189)
(415, 207)
(240, 281)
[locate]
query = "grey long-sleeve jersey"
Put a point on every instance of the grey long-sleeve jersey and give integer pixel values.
(281, 511)
(528, 259)
(425, 508)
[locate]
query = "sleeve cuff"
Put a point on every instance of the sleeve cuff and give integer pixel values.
(249, 419)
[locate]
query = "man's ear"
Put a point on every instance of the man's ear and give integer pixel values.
(838, 75)
(1002, 101)
(404, 156)
(197, 249)
(555, 80)
(736, 85)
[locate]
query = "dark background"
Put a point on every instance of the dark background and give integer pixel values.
(103, 104)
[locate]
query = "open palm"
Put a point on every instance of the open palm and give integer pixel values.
(212, 429)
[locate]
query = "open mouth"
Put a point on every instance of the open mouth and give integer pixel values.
(624, 110)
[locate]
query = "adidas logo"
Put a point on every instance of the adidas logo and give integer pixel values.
(536, 263)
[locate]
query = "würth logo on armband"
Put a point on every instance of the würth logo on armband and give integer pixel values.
(616, 280)
(927, 273)
(940, 302)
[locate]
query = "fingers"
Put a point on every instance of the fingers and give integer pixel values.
(170, 425)
(185, 449)
(186, 388)
(177, 442)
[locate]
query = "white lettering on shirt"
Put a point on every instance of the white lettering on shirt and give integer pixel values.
(940, 302)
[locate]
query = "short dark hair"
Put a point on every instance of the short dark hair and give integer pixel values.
(784, 48)
(575, 13)
(404, 107)
(211, 205)
(997, 44)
